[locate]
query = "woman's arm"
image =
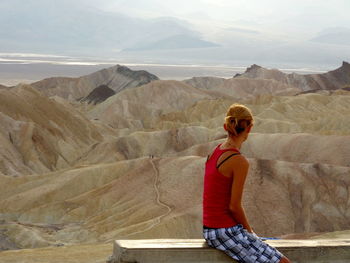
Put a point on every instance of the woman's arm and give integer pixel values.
(240, 168)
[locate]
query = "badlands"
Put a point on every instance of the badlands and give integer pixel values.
(119, 154)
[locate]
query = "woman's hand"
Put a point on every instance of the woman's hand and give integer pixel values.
(254, 235)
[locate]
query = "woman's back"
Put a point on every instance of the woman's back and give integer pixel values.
(225, 225)
(217, 190)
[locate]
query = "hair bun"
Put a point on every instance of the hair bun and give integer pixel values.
(238, 117)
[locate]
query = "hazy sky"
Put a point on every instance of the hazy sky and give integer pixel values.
(271, 31)
(300, 19)
(231, 9)
(297, 15)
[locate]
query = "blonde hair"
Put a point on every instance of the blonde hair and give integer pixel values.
(238, 117)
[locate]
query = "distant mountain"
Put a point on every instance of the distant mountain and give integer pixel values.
(243, 30)
(101, 93)
(336, 35)
(72, 27)
(243, 88)
(205, 82)
(116, 78)
(175, 42)
(335, 79)
(139, 108)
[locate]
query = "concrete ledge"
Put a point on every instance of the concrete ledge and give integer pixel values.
(197, 250)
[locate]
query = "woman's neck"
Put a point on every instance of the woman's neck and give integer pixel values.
(233, 142)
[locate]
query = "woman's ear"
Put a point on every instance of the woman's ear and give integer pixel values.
(249, 128)
(225, 127)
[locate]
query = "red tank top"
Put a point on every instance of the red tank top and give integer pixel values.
(217, 193)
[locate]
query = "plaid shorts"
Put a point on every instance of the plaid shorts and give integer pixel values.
(241, 245)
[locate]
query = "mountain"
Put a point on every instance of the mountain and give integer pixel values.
(146, 143)
(335, 79)
(205, 82)
(76, 28)
(116, 78)
(132, 165)
(272, 114)
(175, 42)
(141, 108)
(108, 209)
(98, 95)
(81, 29)
(39, 134)
(243, 88)
(335, 35)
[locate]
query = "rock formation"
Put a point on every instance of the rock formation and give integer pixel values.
(98, 95)
(132, 166)
(117, 78)
(141, 107)
(331, 80)
(244, 88)
(39, 134)
(209, 83)
(307, 197)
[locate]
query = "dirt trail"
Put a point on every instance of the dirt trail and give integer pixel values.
(157, 220)
(156, 188)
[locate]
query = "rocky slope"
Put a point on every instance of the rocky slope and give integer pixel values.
(39, 134)
(98, 95)
(243, 88)
(94, 203)
(311, 113)
(140, 107)
(208, 83)
(117, 78)
(335, 79)
(74, 173)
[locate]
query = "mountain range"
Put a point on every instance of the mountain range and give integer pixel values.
(117, 78)
(119, 154)
(74, 28)
(256, 80)
(78, 29)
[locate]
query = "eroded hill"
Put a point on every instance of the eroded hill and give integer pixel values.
(132, 165)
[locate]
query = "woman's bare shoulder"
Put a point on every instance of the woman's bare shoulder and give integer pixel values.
(240, 160)
(210, 154)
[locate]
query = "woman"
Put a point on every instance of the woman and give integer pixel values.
(225, 225)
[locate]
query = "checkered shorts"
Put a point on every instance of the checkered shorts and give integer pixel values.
(241, 245)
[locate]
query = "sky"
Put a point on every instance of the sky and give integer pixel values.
(285, 20)
(181, 31)
(228, 9)
(304, 15)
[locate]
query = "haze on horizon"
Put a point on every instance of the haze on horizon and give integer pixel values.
(298, 33)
